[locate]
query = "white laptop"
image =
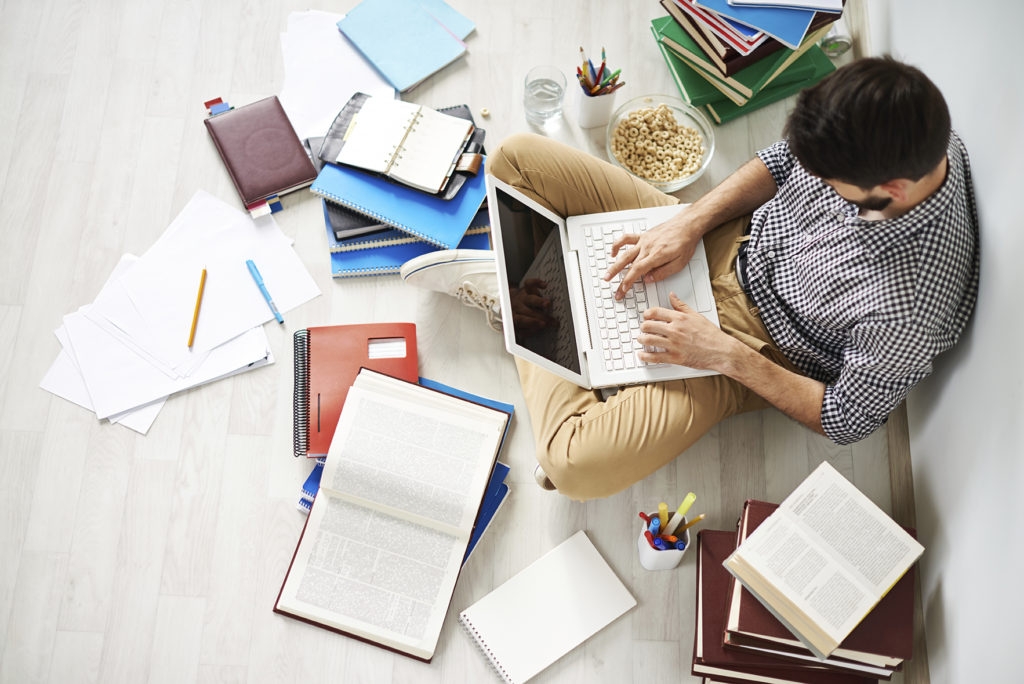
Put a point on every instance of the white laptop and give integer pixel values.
(583, 334)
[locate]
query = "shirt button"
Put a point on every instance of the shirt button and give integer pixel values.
(771, 253)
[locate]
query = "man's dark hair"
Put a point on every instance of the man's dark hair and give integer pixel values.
(872, 121)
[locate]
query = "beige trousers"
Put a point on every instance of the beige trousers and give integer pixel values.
(588, 446)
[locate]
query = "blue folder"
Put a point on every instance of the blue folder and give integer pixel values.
(788, 26)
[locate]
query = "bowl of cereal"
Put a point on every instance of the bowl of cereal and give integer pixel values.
(661, 140)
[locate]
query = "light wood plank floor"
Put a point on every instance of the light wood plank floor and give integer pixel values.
(128, 558)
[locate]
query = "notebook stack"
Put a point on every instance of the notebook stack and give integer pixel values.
(730, 57)
(427, 196)
(739, 637)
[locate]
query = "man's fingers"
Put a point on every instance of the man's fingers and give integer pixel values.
(677, 303)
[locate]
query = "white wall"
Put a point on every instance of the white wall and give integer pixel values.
(967, 421)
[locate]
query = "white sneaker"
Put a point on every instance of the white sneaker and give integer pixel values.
(542, 479)
(470, 275)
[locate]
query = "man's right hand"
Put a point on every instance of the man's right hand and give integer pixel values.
(653, 255)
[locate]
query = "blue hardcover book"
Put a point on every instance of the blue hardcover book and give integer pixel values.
(311, 486)
(497, 490)
(427, 217)
(788, 26)
(402, 39)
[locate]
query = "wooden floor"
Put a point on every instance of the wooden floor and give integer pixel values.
(157, 558)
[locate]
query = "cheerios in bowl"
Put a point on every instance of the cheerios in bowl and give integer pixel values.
(662, 140)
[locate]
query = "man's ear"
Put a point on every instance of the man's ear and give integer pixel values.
(897, 188)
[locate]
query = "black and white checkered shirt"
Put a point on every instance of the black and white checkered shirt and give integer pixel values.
(863, 306)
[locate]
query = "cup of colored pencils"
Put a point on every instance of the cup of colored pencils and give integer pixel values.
(598, 84)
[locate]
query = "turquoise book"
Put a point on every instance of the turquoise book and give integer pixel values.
(406, 40)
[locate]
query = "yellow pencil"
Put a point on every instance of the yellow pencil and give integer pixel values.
(689, 524)
(195, 315)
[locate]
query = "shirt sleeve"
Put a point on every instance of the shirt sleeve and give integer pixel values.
(779, 160)
(881, 365)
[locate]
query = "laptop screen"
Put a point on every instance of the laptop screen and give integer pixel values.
(537, 285)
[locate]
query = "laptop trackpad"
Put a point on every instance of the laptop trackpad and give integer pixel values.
(691, 285)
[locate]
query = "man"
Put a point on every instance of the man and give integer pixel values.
(843, 258)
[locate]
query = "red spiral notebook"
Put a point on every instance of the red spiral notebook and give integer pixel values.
(327, 360)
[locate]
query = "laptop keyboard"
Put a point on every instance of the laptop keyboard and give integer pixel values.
(618, 320)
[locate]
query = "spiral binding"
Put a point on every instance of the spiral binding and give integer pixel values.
(300, 396)
(505, 675)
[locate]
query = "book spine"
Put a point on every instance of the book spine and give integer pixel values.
(478, 639)
(300, 394)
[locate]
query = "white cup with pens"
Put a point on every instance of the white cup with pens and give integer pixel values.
(598, 84)
(661, 545)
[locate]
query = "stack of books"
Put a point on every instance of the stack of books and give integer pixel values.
(729, 57)
(398, 180)
(813, 590)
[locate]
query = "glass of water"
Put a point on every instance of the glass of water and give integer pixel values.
(543, 92)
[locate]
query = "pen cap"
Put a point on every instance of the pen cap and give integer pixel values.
(652, 558)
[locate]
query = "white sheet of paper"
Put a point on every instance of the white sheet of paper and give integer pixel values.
(153, 302)
(118, 379)
(64, 379)
(322, 70)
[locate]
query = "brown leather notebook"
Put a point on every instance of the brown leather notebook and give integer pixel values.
(884, 637)
(710, 658)
(261, 151)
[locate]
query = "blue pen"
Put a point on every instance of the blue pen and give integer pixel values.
(680, 545)
(655, 525)
(660, 543)
(263, 288)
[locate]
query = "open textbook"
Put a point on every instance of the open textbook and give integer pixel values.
(388, 530)
(824, 559)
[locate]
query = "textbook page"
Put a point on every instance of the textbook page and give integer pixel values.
(400, 490)
(825, 558)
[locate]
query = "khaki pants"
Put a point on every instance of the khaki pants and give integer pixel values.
(588, 446)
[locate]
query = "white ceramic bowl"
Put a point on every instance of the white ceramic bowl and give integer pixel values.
(685, 115)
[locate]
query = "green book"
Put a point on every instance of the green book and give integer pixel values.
(724, 110)
(746, 82)
(693, 87)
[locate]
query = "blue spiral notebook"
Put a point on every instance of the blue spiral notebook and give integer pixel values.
(388, 259)
(428, 217)
(392, 236)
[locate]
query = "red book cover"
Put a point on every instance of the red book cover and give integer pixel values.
(710, 658)
(327, 360)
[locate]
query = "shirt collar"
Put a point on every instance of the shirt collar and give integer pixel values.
(878, 237)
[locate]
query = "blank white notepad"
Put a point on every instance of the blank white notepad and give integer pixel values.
(546, 610)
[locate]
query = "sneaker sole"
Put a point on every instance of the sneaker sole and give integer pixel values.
(447, 256)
